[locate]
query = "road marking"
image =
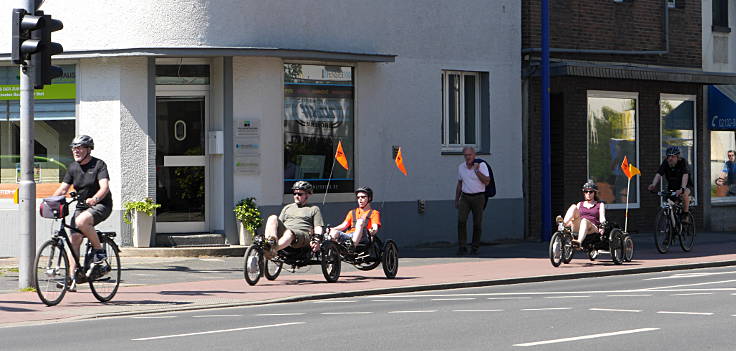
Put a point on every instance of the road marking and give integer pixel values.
(455, 299)
(546, 309)
(217, 315)
(211, 259)
(691, 294)
(216, 331)
(281, 314)
(630, 295)
(477, 310)
(339, 313)
(153, 317)
(143, 274)
(334, 301)
(687, 285)
(510, 298)
(584, 337)
(687, 313)
(424, 311)
(565, 297)
(612, 310)
(690, 275)
(393, 300)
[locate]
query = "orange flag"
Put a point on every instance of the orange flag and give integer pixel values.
(400, 162)
(633, 170)
(625, 167)
(340, 156)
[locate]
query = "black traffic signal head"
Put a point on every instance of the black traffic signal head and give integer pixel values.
(23, 45)
(44, 72)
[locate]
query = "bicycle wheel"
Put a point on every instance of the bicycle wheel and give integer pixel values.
(253, 269)
(616, 246)
(662, 232)
(51, 276)
(273, 269)
(687, 234)
(330, 261)
(105, 287)
(628, 248)
(390, 259)
(374, 258)
(556, 249)
(567, 249)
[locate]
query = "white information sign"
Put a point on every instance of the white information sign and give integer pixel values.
(246, 140)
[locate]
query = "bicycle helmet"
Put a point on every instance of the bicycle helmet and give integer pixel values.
(83, 140)
(673, 151)
(590, 185)
(368, 191)
(303, 185)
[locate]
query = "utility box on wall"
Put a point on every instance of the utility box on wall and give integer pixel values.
(215, 142)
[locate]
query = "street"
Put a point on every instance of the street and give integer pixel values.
(654, 311)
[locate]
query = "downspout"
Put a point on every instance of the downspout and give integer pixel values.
(546, 135)
(617, 52)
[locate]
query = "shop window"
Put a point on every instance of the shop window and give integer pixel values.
(677, 117)
(723, 165)
(612, 135)
(54, 127)
(318, 114)
(461, 110)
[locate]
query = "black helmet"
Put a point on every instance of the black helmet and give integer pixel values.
(368, 191)
(302, 185)
(83, 140)
(590, 185)
(673, 151)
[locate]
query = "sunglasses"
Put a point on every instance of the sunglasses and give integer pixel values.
(588, 191)
(299, 194)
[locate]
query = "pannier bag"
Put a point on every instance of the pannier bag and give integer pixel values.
(53, 207)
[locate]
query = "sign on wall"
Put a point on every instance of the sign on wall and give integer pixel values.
(246, 140)
(722, 107)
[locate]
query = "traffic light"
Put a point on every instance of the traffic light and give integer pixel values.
(32, 40)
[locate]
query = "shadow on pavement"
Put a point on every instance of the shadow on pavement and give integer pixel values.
(198, 292)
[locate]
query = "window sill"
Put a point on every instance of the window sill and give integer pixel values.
(453, 153)
(720, 29)
(722, 201)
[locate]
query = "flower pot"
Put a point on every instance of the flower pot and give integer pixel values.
(246, 237)
(142, 228)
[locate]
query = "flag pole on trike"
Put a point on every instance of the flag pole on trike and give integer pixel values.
(340, 158)
(630, 171)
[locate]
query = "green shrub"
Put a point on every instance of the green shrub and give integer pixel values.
(146, 206)
(248, 213)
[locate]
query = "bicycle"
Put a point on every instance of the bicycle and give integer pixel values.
(669, 224)
(51, 276)
(613, 241)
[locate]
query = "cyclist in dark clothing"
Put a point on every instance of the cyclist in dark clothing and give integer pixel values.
(677, 173)
(90, 179)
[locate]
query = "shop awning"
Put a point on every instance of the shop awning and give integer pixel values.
(209, 51)
(722, 107)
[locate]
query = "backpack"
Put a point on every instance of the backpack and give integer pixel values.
(491, 187)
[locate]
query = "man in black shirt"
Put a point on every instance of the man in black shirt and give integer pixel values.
(675, 170)
(91, 181)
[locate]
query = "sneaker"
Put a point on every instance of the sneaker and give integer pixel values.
(270, 253)
(462, 251)
(71, 285)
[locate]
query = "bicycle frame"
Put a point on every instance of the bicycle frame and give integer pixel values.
(61, 234)
(671, 210)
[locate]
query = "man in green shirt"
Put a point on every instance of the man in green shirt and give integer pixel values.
(295, 223)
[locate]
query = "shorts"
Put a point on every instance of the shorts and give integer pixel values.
(301, 239)
(342, 236)
(99, 213)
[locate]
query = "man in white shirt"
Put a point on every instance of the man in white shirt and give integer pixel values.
(472, 178)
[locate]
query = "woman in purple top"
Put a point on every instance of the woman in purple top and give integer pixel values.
(586, 216)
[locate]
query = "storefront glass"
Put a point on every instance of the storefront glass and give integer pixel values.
(722, 125)
(678, 129)
(318, 114)
(612, 135)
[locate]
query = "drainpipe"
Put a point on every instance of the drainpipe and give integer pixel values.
(546, 145)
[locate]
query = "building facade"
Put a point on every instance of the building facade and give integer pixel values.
(199, 104)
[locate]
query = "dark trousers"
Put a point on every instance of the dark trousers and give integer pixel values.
(467, 204)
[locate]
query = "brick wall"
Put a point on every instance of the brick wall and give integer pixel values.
(608, 25)
(569, 145)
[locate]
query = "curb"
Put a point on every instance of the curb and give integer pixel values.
(219, 251)
(416, 288)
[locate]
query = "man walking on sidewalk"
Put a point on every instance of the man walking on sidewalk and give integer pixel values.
(470, 196)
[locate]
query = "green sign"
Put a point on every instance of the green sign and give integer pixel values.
(49, 92)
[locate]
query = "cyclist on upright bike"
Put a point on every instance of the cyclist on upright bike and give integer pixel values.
(677, 173)
(91, 181)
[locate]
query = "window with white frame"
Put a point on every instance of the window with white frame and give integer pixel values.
(722, 166)
(460, 110)
(677, 117)
(612, 135)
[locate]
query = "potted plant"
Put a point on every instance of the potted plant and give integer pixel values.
(249, 219)
(140, 215)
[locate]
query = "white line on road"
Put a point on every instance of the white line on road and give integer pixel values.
(688, 313)
(510, 298)
(688, 285)
(334, 301)
(216, 331)
(477, 310)
(691, 294)
(339, 313)
(612, 310)
(455, 299)
(424, 311)
(546, 309)
(690, 275)
(217, 315)
(565, 297)
(630, 295)
(393, 300)
(153, 317)
(592, 336)
(281, 314)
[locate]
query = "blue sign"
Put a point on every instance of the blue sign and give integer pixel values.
(721, 109)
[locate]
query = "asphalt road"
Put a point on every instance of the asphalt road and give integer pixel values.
(684, 310)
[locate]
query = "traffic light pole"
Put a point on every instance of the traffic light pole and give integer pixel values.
(27, 187)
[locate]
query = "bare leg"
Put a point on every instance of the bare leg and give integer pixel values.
(571, 214)
(272, 227)
(76, 240)
(686, 200)
(85, 223)
(285, 240)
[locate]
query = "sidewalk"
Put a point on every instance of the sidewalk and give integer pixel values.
(196, 283)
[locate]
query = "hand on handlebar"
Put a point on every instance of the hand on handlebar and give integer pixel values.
(651, 187)
(720, 181)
